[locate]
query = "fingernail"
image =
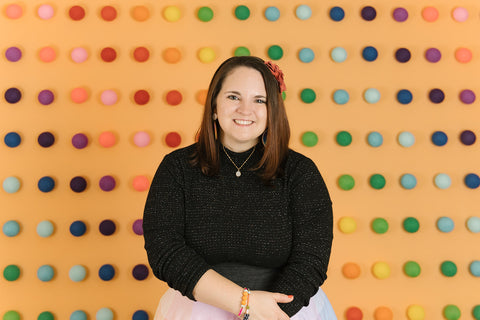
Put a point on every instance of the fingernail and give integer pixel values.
(290, 297)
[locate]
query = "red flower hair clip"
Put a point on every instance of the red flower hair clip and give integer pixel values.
(278, 74)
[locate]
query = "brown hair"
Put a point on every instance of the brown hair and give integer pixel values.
(276, 148)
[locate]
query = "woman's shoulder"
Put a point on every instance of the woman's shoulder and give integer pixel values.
(296, 159)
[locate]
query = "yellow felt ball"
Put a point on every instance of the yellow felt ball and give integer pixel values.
(381, 270)
(415, 312)
(206, 55)
(347, 225)
(172, 13)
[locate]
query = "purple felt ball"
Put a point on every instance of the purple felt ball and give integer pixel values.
(13, 54)
(433, 55)
(368, 13)
(79, 141)
(436, 96)
(468, 137)
(467, 96)
(107, 183)
(13, 95)
(140, 272)
(138, 227)
(45, 97)
(400, 14)
(78, 184)
(403, 55)
(46, 139)
(107, 227)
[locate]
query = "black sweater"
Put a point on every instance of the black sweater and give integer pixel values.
(193, 222)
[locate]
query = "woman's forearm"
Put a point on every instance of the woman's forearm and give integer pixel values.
(218, 291)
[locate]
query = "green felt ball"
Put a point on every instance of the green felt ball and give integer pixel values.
(241, 51)
(380, 225)
(377, 181)
(344, 138)
(308, 95)
(242, 12)
(275, 52)
(346, 182)
(205, 14)
(309, 139)
(412, 269)
(11, 272)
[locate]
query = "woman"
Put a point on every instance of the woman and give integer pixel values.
(237, 224)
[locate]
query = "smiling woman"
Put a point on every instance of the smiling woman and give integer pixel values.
(238, 224)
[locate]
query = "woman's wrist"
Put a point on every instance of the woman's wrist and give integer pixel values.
(244, 312)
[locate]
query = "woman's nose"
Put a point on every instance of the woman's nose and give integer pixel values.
(244, 107)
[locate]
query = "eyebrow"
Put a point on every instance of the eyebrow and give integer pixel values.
(236, 92)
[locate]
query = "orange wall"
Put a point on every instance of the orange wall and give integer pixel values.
(190, 76)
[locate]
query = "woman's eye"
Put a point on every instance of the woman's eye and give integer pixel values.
(232, 97)
(261, 101)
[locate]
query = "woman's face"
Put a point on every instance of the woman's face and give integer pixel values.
(242, 109)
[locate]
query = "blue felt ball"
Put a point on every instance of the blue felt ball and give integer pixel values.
(272, 14)
(140, 315)
(12, 139)
(11, 184)
(104, 314)
(46, 184)
(475, 268)
(306, 55)
(45, 273)
(341, 96)
(78, 228)
(338, 54)
(372, 95)
(445, 224)
(439, 138)
(45, 229)
(337, 14)
(406, 139)
(77, 273)
(78, 315)
(404, 96)
(408, 181)
(370, 53)
(443, 181)
(11, 228)
(375, 139)
(472, 181)
(473, 224)
(303, 12)
(106, 272)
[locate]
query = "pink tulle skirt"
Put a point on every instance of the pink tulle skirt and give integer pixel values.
(174, 306)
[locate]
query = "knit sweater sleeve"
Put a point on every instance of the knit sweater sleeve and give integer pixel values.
(170, 258)
(311, 210)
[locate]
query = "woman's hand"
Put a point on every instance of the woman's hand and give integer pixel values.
(264, 305)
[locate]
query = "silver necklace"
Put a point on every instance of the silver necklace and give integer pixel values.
(238, 173)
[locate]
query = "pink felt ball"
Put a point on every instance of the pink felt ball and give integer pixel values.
(141, 139)
(45, 12)
(109, 97)
(13, 11)
(79, 55)
(460, 14)
(140, 183)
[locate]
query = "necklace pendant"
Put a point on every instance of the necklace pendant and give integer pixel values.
(238, 174)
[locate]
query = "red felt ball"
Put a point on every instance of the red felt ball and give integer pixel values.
(354, 313)
(108, 13)
(108, 54)
(141, 54)
(174, 97)
(173, 139)
(76, 13)
(141, 97)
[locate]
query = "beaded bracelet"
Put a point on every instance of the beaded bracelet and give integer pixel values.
(244, 306)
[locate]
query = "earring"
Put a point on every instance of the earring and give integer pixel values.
(214, 116)
(264, 138)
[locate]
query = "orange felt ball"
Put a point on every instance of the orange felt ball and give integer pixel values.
(13, 11)
(140, 13)
(47, 54)
(351, 270)
(430, 14)
(108, 13)
(141, 54)
(140, 183)
(202, 96)
(383, 313)
(107, 139)
(172, 55)
(463, 55)
(79, 95)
